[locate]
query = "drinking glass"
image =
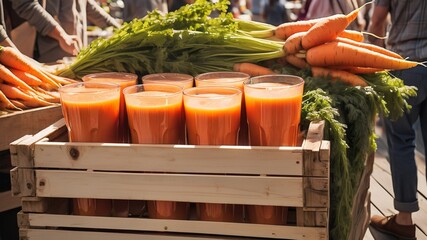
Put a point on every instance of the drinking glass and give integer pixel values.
(183, 80)
(228, 79)
(120, 207)
(273, 107)
(213, 118)
(91, 112)
(155, 117)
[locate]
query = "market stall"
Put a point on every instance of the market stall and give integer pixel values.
(323, 180)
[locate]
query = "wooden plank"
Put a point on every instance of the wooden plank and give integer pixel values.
(22, 151)
(314, 165)
(177, 226)
(260, 190)
(45, 205)
(384, 177)
(22, 182)
(316, 192)
(27, 122)
(48, 234)
(170, 158)
(8, 201)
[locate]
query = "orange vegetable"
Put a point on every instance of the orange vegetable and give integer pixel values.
(18, 103)
(26, 77)
(293, 43)
(252, 69)
(7, 76)
(14, 93)
(372, 47)
(14, 59)
(328, 29)
(285, 30)
(297, 62)
(342, 54)
(340, 75)
(358, 70)
(352, 34)
(5, 103)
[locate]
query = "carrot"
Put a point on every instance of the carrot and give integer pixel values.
(26, 77)
(358, 70)
(5, 103)
(15, 93)
(252, 69)
(343, 54)
(46, 95)
(59, 79)
(18, 104)
(297, 62)
(13, 58)
(340, 75)
(371, 47)
(285, 30)
(352, 34)
(328, 29)
(7, 76)
(293, 43)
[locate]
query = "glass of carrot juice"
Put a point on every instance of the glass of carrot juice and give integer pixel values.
(91, 112)
(212, 117)
(120, 207)
(228, 79)
(183, 80)
(155, 117)
(273, 107)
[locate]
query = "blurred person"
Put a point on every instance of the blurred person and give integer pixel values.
(138, 9)
(275, 13)
(325, 8)
(61, 25)
(407, 37)
(4, 37)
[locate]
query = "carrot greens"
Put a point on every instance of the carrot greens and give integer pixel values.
(187, 40)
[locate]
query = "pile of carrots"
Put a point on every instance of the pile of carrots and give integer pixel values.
(329, 50)
(25, 84)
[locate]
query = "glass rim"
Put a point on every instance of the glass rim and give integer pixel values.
(281, 77)
(106, 86)
(186, 77)
(186, 92)
(169, 94)
(238, 75)
(126, 75)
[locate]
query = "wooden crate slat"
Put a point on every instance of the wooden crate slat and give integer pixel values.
(170, 158)
(276, 191)
(189, 226)
(48, 234)
(25, 122)
(8, 201)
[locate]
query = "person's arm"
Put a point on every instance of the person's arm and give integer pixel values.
(99, 16)
(377, 24)
(46, 25)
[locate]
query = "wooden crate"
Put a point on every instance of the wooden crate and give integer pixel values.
(18, 124)
(50, 171)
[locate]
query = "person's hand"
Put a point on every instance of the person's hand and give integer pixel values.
(70, 44)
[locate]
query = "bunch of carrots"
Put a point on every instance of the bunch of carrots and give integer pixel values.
(24, 84)
(329, 50)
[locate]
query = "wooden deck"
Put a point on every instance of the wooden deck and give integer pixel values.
(382, 190)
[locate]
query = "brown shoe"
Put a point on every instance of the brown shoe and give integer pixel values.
(387, 228)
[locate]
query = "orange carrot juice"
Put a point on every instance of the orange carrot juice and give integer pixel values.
(124, 80)
(91, 112)
(273, 106)
(228, 79)
(213, 118)
(155, 117)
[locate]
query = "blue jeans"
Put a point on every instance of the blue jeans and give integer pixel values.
(401, 141)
